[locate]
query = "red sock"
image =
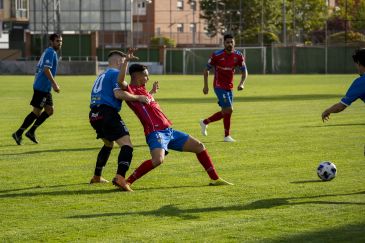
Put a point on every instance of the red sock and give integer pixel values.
(227, 123)
(207, 163)
(215, 117)
(143, 169)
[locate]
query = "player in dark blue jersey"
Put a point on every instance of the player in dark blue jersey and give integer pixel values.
(106, 102)
(43, 83)
(356, 90)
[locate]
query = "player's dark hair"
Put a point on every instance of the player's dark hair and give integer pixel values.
(227, 36)
(135, 68)
(359, 56)
(54, 36)
(116, 52)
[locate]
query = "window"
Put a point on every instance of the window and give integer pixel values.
(180, 4)
(1, 4)
(180, 28)
(192, 27)
(139, 7)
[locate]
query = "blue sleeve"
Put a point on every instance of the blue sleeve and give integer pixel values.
(356, 91)
(115, 80)
(48, 58)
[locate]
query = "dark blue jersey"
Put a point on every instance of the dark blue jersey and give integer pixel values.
(48, 59)
(356, 91)
(103, 89)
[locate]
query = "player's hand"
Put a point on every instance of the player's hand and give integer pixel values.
(130, 54)
(56, 88)
(143, 99)
(325, 116)
(205, 90)
(155, 87)
(240, 87)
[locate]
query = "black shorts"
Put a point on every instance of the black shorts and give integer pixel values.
(107, 123)
(40, 99)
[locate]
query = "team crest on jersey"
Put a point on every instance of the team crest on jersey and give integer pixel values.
(47, 61)
(235, 59)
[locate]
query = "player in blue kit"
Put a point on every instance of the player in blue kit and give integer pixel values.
(356, 90)
(43, 83)
(106, 102)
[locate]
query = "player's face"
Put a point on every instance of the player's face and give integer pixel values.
(143, 77)
(56, 43)
(229, 44)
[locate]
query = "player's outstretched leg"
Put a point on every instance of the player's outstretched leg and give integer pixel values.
(158, 156)
(18, 139)
(28, 120)
(31, 132)
(203, 127)
(220, 182)
(227, 125)
(143, 169)
(195, 146)
(207, 163)
(124, 161)
(204, 123)
(101, 161)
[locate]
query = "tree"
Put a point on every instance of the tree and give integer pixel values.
(263, 16)
(304, 17)
(240, 16)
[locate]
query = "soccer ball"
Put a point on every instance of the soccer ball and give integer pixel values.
(326, 171)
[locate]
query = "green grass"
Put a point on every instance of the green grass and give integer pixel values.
(277, 197)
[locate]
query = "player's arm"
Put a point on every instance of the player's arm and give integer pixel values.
(124, 95)
(47, 72)
(155, 87)
(123, 70)
(244, 75)
(206, 76)
(336, 108)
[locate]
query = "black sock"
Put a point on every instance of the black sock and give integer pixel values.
(103, 157)
(28, 120)
(39, 121)
(124, 159)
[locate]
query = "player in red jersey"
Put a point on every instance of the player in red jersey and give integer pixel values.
(224, 62)
(160, 136)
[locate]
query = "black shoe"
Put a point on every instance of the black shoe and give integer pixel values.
(32, 137)
(18, 139)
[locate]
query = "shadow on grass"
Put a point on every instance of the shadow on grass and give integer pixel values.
(307, 181)
(38, 192)
(336, 125)
(65, 150)
(344, 233)
(261, 98)
(174, 211)
(41, 187)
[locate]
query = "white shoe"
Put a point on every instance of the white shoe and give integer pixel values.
(203, 128)
(229, 139)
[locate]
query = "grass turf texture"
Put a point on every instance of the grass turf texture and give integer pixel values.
(277, 197)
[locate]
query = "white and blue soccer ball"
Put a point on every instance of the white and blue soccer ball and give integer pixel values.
(326, 170)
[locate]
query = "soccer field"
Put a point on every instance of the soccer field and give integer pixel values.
(277, 196)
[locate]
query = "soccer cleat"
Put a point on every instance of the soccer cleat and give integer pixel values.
(220, 182)
(203, 127)
(229, 139)
(18, 139)
(98, 179)
(32, 137)
(122, 184)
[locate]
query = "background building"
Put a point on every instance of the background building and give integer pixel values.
(13, 22)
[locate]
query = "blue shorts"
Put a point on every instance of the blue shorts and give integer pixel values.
(225, 97)
(167, 139)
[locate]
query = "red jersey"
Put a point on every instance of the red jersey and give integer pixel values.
(150, 115)
(224, 67)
